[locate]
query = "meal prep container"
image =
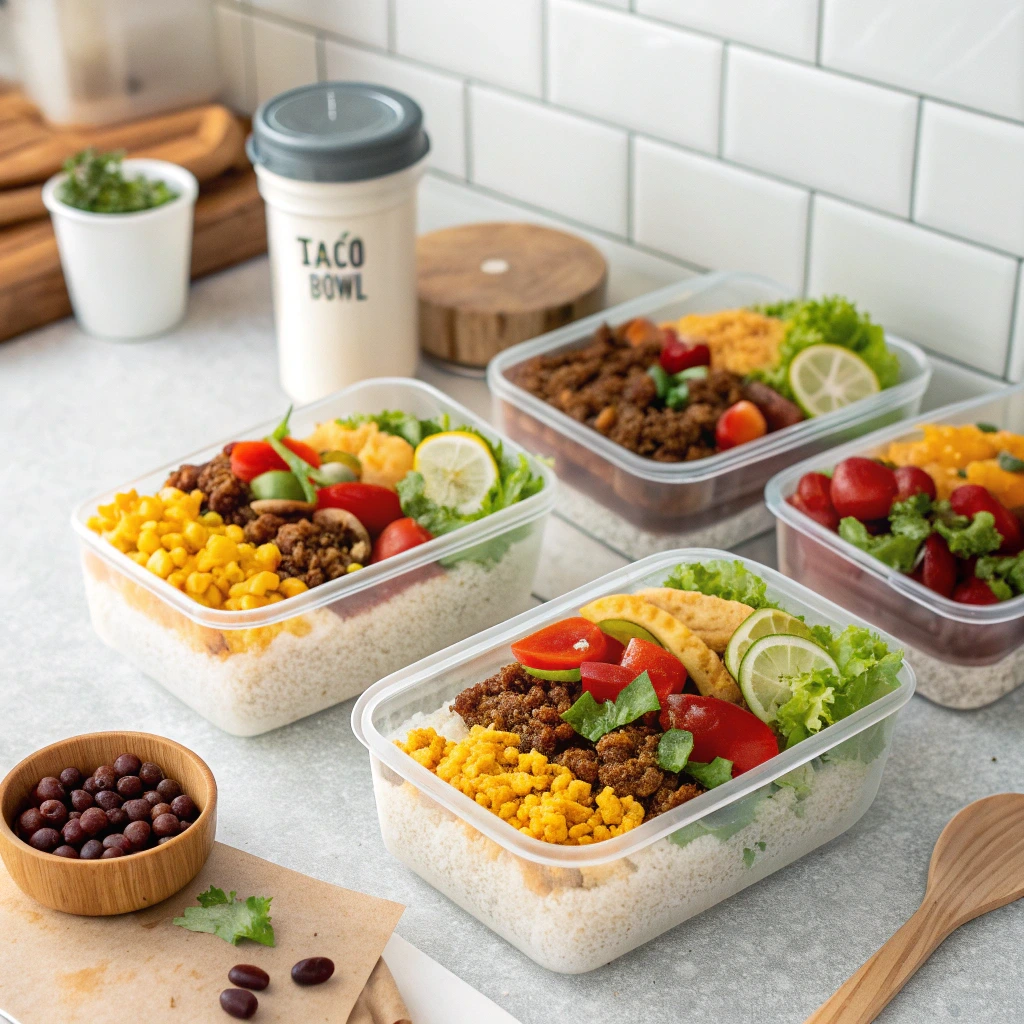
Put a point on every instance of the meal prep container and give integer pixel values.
(252, 671)
(966, 656)
(639, 506)
(572, 909)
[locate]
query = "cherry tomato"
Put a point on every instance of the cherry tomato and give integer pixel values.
(739, 424)
(604, 681)
(720, 729)
(969, 499)
(863, 488)
(374, 506)
(974, 591)
(399, 536)
(938, 569)
(667, 672)
(826, 516)
(677, 355)
(565, 644)
(251, 458)
(911, 480)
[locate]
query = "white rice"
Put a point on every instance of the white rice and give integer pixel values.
(965, 687)
(344, 652)
(574, 920)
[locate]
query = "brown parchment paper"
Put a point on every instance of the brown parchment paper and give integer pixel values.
(55, 967)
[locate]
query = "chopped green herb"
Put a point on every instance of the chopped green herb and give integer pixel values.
(219, 913)
(674, 750)
(748, 857)
(962, 473)
(691, 373)
(594, 720)
(761, 845)
(714, 773)
(678, 395)
(96, 183)
(662, 381)
(987, 428)
(1004, 575)
(1010, 463)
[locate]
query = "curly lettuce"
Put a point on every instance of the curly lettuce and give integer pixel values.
(1004, 575)
(832, 320)
(401, 424)
(732, 581)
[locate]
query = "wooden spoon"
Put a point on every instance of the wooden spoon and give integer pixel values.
(977, 866)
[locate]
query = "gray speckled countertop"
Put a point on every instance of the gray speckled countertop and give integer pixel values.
(78, 415)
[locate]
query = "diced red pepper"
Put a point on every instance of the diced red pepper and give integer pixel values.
(667, 672)
(251, 458)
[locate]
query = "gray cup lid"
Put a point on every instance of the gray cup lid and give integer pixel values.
(338, 131)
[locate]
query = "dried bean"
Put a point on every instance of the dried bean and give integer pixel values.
(169, 789)
(92, 850)
(93, 820)
(150, 774)
(66, 851)
(165, 825)
(107, 798)
(184, 807)
(236, 1002)
(71, 778)
(105, 776)
(129, 786)
(126, 764)
(81, 800)
(249, 976)
(49, 789)
(314, 970)
(45, 839)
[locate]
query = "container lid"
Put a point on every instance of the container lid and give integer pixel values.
(338, 131)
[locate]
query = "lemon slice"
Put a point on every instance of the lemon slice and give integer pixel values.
(458, 470)
(829, 377)
(769, 662)
(762, 623)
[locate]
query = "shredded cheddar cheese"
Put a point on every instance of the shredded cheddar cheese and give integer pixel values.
(740, 340)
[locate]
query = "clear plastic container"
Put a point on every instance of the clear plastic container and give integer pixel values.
(572, 909)
(639, 506)
(966, 656)
(252, 671)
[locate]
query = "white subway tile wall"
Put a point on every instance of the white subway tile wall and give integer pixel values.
(869, 147)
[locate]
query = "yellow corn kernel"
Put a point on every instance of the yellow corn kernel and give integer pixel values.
(151, 508)
(262, 582)
(140, 556)
(292, 586)
(195, 535)
(267, 556)
(172, 540)
(160, 563)
(251, 601)
(211, 519)
(354, 567)
(148, 542)
(198, 582)
(179, 556)
(177, 579)
(235, 533)
(212, 597)
(238, 590)
(233, 573)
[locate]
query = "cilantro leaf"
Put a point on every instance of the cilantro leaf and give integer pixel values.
(712, 774)
(732, 581)
(674, 749)
(894, 549)
(96, 182)
(401, 424)
(1009, 463)
(978, 536)
(594, 720)
(832, 320)
(219, 913)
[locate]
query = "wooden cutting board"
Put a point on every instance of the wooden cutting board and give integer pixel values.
(141, 967)
(229, 218)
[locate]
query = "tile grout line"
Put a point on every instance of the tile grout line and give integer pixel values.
(545, 57)
(722, 80)
(1011, 348)
(915, 163)
(809, 234)
(467, 129)
(819, 32)
(630, 187)
(392, 25)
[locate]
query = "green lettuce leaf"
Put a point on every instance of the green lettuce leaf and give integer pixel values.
(808, 710)
(910, 518)
(832, 320)
(730, 580)
(723, 824)
(977, 536)
(401, 424)
(594, 720)
(219, 913)
(896, 550)
(710, 774)
(674, 749)
(1004, 575)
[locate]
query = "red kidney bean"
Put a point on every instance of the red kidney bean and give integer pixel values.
(236, 1002)
(105, 776)
(107, 798)
(249, 976)
(45, 839)
(137, 810)
(93, 820)
(81, 800)
(314, 970)
(70, 778)
(74, 814)
(91, 786)
(126, 764)
(168, 789)
(122, 842)
(54, 812)
(129, 786)
(184, 807)
(66, 851)
(116, 818)
(159, 809)
(165, 825)
(111, 852)
(49, 789)
(31, 821)
(137, 833)
(73, 833)
(150, 774)
(92, 850)
(152, 797)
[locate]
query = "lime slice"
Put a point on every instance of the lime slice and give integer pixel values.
(555, 675)
(769, 662)
(624, 631)
(762, 623)
(458, 470)
(829, 377)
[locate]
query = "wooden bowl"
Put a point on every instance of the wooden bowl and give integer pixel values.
(96, 888)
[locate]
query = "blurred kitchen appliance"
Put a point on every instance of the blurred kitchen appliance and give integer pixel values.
(89, 62)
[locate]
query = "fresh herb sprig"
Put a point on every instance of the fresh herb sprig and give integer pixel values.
(231, 919)
(97, 183)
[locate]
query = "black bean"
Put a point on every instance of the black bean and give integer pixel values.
(129, 786)
(236, 1002)
(169, 789)
(105, 776)
(107, 798)
(70, 778)
(184, 807)
(117, 818)
(249, 976)
(137, 833)
(81, 800)
(314, 970)
(93, 820)
(45, 839)
(126, 764)
(92, 850)
(137, 810)
(66, 851)
(49, 789)
(165, 825)
(150, 773)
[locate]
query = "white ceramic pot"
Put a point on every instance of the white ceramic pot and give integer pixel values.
(128, 273)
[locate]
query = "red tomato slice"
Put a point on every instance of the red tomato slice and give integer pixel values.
(565, 644)
(720, 729)
(604, 681)
(969, 499)
(863, 488)
(399, 536)
(667, 672)
(374, 506)
(251, 458)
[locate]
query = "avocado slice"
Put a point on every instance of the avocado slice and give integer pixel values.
(624, 631)
(555, 675)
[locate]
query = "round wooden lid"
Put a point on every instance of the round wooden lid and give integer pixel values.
(483, 287)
